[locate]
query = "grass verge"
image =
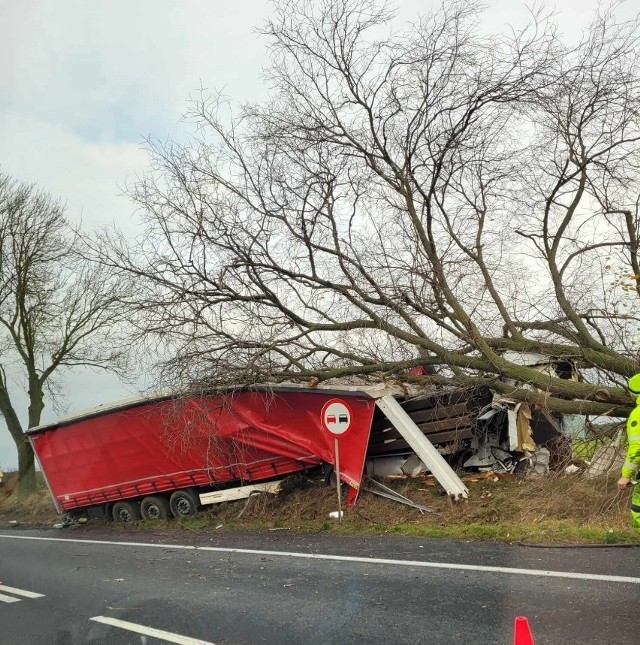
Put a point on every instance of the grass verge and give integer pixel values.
(560, 509)
(35, 510)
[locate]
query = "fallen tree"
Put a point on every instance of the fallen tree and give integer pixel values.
(435, 197)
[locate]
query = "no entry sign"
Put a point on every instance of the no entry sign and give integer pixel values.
(336, 416)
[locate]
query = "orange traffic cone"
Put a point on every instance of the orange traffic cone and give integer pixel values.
(522, 632)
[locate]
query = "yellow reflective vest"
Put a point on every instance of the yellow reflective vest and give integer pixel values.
(632, 462)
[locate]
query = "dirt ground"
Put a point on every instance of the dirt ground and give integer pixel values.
(566, 508)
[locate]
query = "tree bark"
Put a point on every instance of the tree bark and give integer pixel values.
(26, 460)
(27, 483)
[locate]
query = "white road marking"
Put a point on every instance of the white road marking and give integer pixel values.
(8, 599)
(348, 558)
(21, 592)
(170, 637)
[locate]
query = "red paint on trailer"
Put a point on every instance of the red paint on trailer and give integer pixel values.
(163, 445)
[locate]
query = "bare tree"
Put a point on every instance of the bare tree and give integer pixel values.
(434, 195)
(56, 309)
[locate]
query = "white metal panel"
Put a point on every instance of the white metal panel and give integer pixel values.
(427, 452)
(512, 416)
(242, 492)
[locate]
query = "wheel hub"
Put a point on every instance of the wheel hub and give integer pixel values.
(183, 506)
(153, 512)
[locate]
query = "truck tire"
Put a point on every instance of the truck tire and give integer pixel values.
(126, 511)
(184, 503)
(155, 507)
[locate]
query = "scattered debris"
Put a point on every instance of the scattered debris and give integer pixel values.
(252, 494)
(69, 521)
(400, 466)
(381, 490)
(487, 474)
(539, 460)
(607, 459)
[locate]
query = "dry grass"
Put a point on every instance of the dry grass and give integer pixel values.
(35, 510)
(565, 508)
(562, 508)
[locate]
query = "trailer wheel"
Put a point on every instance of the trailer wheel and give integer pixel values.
(154, 508)
(125, 511)
(183, 503)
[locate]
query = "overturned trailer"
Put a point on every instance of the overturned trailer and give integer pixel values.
(164, 455)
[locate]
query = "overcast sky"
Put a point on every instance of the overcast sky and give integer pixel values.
(83, 82)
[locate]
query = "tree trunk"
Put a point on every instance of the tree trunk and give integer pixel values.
(36, 398)
(26, 469)
(26, 460)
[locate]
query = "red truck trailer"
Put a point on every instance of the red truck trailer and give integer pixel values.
(168, 455)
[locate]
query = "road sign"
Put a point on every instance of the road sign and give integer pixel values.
(336, 417)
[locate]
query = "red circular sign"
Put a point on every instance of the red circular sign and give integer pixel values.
(336, 416)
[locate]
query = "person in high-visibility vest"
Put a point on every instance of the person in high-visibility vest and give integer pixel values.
(632, 463)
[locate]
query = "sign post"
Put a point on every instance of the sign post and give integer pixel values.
(336, 452)
(336, 419)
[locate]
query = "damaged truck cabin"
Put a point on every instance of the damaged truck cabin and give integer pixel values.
(165, 456)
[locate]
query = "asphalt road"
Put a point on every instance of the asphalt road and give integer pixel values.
(290, 588)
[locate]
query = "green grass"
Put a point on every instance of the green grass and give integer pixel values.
(586, 448)
(532, 532)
